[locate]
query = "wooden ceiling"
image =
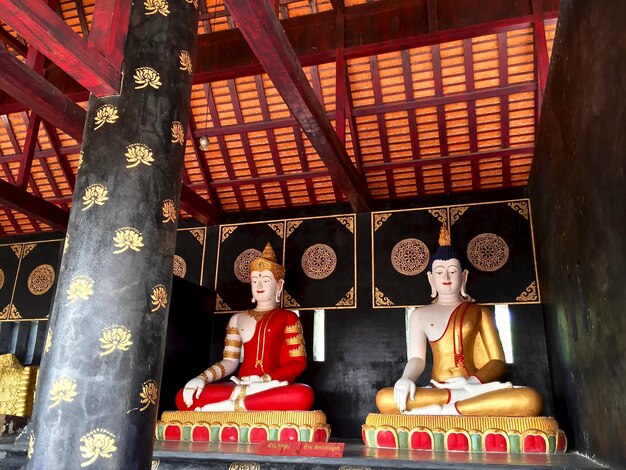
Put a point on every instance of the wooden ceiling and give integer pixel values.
(423, 96)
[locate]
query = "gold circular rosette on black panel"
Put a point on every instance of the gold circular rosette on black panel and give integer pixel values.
(320, 258)
(189, 257)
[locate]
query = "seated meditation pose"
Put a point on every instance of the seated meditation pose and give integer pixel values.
(274, 354)
(468, 359)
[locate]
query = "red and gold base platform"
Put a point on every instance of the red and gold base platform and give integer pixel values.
(247, 427)
(464, 433)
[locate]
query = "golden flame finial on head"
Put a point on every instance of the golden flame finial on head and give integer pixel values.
(444, 237)
(268, 261)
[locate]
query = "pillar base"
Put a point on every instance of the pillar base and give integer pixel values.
(475, 434)
(247, 427)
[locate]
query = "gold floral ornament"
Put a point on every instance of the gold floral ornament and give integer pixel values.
(158, 297)
(149, 393)
(95, 194)
(63, 389)
(81, 287)
(97, 443)
(156, 6)
(81, 154)
(106, 114)
(137, 154)
(194, 2)
(147, 76)
(31, 445)
(114, 338)
(185, 62)
(178, 135)
(169, 211)
(127, 238)
(66, 243)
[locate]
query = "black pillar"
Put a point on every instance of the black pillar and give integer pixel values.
(100, 375)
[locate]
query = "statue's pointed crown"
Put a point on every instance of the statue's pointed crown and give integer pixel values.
(267, 260)
(445, 250)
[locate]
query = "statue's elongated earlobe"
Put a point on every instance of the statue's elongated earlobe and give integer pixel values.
(433, 291)
(464, 283)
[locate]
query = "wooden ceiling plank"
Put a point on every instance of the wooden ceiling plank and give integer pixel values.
(30, 88)
(382, 125)
(29, 150)
(503, 70)
(52, 181)
(354, 132)
(11, 134)
(81, 17)
(109, 28)
(215, 118)
(265, 35)
(412, 119)
(15, 198)
(33, 187)
(49, 34)
(271, 138)
(204, 168)
(13, 222)
(341, 98)
(245, 142)
(198, 207)
(468, 58)
(13, 42)
(61, 157)
(542, 59)
(297, 132)
(441, 117)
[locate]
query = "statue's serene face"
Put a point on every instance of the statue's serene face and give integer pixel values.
(264, 286)
(447, 276)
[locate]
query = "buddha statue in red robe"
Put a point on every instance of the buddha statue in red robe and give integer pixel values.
(273, 354)
(468, 359)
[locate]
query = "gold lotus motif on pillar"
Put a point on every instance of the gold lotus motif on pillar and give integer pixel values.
(66, 243)
(156, 6)
(147, 76)
(194, 2)
(63, 389)
(169, 211)
(106, 114)
(127, 238)
(81, 154)
(48, 342)
(95, 194)
(97, 443)
(158, 297)
(178, 134)
(149, 393)
(115, 338)
(137, 154)
(185, 62)
(81, 288)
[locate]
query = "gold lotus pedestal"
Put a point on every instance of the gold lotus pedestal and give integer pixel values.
(247, 427)
(464, 433)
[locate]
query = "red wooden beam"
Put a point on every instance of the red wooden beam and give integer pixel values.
(28, 151)
(542, 60)
(49, 34)
(14, 198)
(204, 168)
(198, 207)
(28, 87)
(297, 132)
(13, 42)
(267, 39)
(109, 28)
(61, 157)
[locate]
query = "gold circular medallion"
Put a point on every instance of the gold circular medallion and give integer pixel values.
(1, 278)
(319, 261)
(487, 252)
(410, 256)
(41, 279)
(180, 267)
(242, 264)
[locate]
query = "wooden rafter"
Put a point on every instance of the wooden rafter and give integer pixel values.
(542, 60)
(14, 198)
(503, 70)
(49, 34)
(471, 110)
(61, 157)
(412, 119)
(441, 117)
(109, 28)
(28, 151)
(196, 206)
(271, 138)
(267, 39)
(204, 168)
(12, 42)
(245, 142)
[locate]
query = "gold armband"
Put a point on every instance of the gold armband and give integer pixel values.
(298, 339)
(235, 343)
(231, 330)
(231, 354)
(221, 367)
(239, 405)
(297, 352)
(205, 377)
(295, 328)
